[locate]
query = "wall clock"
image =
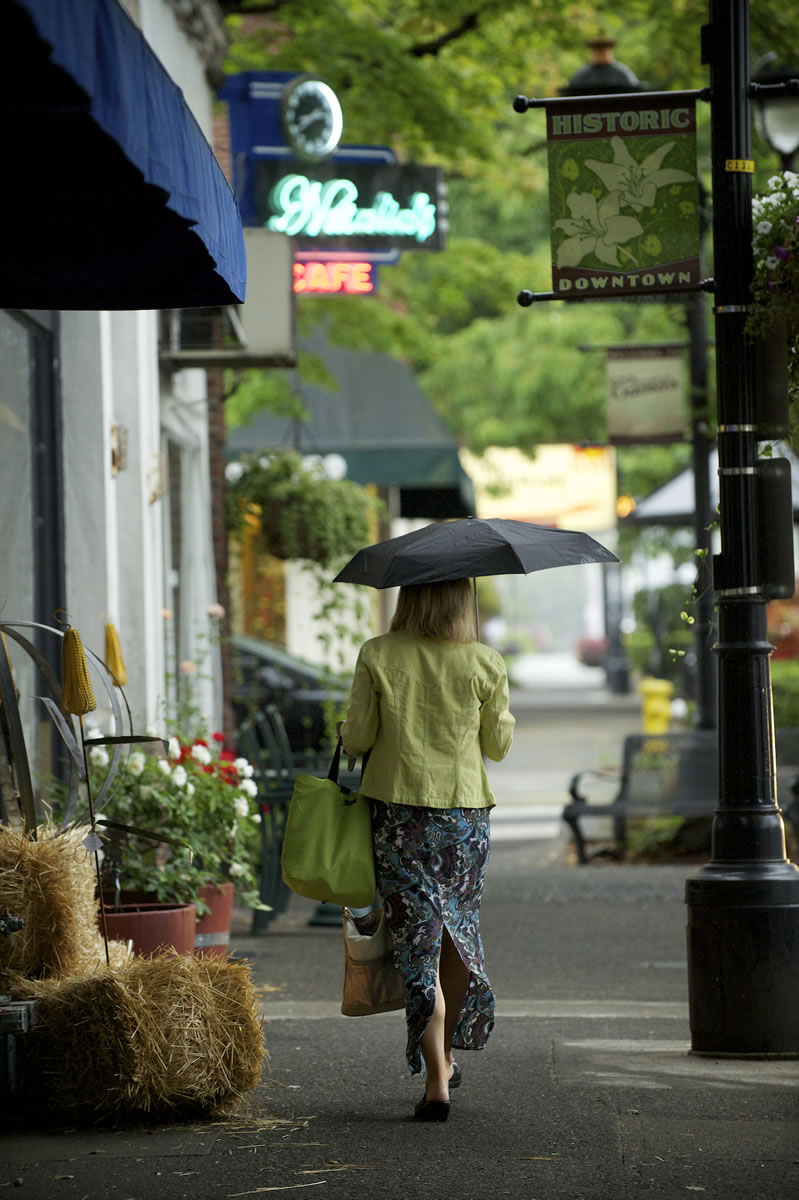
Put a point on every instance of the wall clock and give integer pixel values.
(312, 120)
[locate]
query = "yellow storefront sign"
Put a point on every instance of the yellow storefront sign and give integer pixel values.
(565, 486)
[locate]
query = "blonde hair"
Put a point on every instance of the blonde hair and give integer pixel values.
(443, 611)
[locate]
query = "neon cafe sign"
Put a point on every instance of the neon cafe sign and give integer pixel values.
(326, 278)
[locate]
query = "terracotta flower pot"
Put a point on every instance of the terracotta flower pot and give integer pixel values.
(212, 930)
(152, 926)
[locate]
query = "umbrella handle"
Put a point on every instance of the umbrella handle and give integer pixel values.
(476, 612)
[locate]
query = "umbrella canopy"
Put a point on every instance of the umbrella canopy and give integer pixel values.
(469, 548)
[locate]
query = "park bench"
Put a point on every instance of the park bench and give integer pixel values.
(666, 775)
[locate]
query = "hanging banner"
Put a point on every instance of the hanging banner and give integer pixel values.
(622, 196)
(646, 394)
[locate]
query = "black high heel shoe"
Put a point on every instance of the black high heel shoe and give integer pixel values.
(431, 1110)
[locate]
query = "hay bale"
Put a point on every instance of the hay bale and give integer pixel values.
(51, 883)
(163, 1037)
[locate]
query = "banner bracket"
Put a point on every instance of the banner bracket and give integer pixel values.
(523, 104)
(527, 298)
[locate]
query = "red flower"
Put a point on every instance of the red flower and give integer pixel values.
(218, 737)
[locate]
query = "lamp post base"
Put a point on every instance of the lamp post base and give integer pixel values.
(743, 960)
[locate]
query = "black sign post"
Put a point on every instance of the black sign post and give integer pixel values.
(743, 906)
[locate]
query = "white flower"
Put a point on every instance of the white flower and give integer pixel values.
(236, 869)
(772, 262)
(249, 787)
(775, 181)
(245, 770)
(234, 472)
(764, 227)
(201, 754)
(174, 748)
(190, 789)
(234, 829)
(136, 763)
(242, 806)
(215, 611)
(791, 178)
(256, 817)
(165, 766)
(98, 756)
(180, 776)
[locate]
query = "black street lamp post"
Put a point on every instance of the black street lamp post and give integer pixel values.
(743, 906)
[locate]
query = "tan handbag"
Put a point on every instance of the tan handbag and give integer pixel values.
(372, 983)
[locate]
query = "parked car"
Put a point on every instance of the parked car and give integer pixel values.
(309, 698)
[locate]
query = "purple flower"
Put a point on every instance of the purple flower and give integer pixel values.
(782, 253)
(770, 284)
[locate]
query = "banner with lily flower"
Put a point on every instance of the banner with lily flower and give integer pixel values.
(623, 196)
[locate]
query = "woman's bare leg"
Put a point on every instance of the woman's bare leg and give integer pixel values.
(454, 982)
(432, 1046)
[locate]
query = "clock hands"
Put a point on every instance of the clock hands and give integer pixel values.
(307, 120)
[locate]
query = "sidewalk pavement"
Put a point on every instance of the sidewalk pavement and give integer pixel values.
(587, 1089)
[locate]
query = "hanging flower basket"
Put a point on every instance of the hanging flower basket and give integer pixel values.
(297, 511)
(773, 323)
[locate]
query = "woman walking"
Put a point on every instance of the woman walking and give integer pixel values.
(429, 701)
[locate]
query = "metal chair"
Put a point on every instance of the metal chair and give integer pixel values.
(263, 740)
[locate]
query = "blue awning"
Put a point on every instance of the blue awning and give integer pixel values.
(112, 196)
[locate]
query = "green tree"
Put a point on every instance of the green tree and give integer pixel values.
(435, 80)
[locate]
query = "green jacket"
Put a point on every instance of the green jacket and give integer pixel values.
(428, 711)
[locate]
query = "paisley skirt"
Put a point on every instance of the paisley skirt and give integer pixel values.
(430, 864)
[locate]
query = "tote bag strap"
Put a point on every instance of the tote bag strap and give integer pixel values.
(335, 766)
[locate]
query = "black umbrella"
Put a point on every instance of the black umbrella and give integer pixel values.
(467, 548)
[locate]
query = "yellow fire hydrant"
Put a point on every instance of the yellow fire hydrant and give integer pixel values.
(656, 701)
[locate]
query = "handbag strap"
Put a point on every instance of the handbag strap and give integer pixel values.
(335, 766)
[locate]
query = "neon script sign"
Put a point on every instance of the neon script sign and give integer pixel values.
(308, 208)
(354, 206)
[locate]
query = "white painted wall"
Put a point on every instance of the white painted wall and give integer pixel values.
(113, 524)
(180, 58)
(116, 526)
(184, 420)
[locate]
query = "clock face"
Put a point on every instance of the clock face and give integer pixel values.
(312, 119)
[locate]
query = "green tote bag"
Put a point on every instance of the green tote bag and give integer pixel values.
(327, 847)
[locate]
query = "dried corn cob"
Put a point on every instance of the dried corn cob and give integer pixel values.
(78, 694)
(113, 656)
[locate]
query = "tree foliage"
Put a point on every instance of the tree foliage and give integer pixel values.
(435, 81)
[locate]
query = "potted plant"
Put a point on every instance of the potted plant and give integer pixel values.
(299, 511)
(773, 323)
(201, 800)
